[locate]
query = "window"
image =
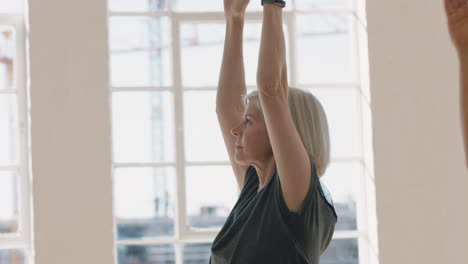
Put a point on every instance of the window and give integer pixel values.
(173, 185)
(15, 231)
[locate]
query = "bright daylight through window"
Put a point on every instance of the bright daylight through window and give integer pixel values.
(15, 234)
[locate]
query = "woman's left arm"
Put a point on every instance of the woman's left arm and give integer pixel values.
(292, 160)
(457, 20)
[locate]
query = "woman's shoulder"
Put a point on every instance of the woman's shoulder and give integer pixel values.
(249, 178)
(326, 196)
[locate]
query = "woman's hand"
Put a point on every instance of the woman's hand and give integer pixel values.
(457, 18)
(235, 8)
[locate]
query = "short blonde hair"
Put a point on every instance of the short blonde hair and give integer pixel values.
(310, 121)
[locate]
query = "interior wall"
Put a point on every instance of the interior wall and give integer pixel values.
(420, 174)
(71, 157)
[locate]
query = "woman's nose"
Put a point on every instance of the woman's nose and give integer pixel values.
(234, 131)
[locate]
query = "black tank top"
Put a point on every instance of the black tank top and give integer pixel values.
(261, 228)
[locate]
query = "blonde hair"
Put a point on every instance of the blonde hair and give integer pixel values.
(310, 121)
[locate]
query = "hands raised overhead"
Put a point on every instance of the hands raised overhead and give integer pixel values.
(235, 8)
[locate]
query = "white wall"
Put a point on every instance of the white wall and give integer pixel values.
(421, 179)
(71, 165)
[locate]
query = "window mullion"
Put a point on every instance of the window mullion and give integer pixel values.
(180, 221)
(25, 186)
(13, 242)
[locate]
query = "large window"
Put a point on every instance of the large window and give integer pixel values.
(173, 184)
(15, 234)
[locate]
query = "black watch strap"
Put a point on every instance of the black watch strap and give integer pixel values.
(276, 2)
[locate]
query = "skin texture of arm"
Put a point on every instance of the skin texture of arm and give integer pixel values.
(292, 160)
(457, 21)
(231, 84)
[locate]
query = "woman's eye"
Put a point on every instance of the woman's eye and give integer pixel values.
(247, 121)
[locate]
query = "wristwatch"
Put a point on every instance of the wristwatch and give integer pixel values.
(276, 2)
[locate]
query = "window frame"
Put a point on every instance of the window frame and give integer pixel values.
(21, 240)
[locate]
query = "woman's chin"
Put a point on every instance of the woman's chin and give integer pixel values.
(239, 161)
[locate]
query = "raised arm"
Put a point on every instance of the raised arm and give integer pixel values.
(272, 58)
(457, 20)
(291, 157)
(231, 85)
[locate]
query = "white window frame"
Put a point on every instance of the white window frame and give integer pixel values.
(23, 238)
(366, 232)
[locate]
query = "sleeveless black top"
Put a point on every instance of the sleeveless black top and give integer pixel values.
(262, 229)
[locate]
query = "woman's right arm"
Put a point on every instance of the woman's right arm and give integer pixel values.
(231, 85)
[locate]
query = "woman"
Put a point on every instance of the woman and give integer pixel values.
(278, 144)
(457, 17)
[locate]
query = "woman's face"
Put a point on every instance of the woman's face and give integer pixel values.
(252, 135)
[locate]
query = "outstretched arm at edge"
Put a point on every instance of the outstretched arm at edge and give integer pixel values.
(457, 21)
(464, 101)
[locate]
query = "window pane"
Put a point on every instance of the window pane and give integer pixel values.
(341, 251)
(10, 6)
(135, 254)
(324, 49)
(322, 4)
(211, 194)
(8, 129)
(342, 180)
(140, 51)
(203, 6)
(196, 253)
(341, 108)
(144, 202)
(202, 47)
(7, 55)
(8, 203)
(203, 137)
(12, 256)
(137, 5)
(143, 126)
(202, 51)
